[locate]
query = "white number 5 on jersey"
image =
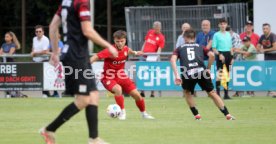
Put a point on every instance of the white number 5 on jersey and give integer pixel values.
(190, 53)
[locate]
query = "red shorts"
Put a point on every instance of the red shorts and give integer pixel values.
(127, 84)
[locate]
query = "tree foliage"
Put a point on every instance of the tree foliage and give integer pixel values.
(41, 12)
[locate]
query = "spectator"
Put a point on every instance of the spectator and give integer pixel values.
(248, 52)
(222, 45)
(249, 33)
(40, 48)
(8, 48)
(267, 45)
(154, 42)
(236, 44)
(60, 46)
(180, 40)
(205, 38)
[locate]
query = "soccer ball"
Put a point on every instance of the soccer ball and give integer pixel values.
(113, 110)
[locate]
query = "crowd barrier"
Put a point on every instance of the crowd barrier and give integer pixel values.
(245, 75)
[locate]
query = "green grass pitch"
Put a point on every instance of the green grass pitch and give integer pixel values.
(20, 120)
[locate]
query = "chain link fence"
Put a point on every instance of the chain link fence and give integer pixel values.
(140, 19)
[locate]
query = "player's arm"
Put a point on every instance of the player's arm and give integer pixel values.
(210, 62)
(101, 55)
(53, 33)
(178, 80)
(94, 58)
(91, 34)
(132, 52)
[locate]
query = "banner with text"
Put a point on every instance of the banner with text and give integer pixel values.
(21, 76)
(245, 75)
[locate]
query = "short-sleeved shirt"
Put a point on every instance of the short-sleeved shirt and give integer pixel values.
(72, 13)
(252, 50)
(267, 42)
(60, 45)
(153, 41)
(111, 64)
(191, 58)
(7, 47)
(40, 45)
(236, 40)
(180, 41)
(202, 39)
(222, 41)
(254, 38)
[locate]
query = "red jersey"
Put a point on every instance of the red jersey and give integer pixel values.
(153, 41)
(111, 64)
(254, 38)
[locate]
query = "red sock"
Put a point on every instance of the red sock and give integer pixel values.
(120, 101)
(141, 105)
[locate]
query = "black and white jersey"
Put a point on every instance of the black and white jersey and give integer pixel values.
(72, 13)
(191, 58)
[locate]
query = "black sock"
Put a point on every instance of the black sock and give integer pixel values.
(226, 90)
(64, 116)
(218, 87)
(91, 112)
(194, 111)
(224, 110)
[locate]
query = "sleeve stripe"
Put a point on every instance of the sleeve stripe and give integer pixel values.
(84, 13)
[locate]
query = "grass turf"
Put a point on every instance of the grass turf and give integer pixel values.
(20, 120)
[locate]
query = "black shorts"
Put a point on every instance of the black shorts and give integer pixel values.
(79, 78)
(228, 58)
(204, 82)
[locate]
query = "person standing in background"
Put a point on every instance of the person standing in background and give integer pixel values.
(8, 48)
(180, 40)
(247, 52)
(205, 38)
(249, 32)
(40, 47)
(267, 45)
(222, 45)
(154, 43)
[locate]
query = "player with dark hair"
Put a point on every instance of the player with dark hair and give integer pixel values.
(193, 71)
(115, 79)
(76, 23)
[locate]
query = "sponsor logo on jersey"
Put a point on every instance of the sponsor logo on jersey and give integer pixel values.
(83, 88)
(125, 53)
(118, 62)
(108, 83)
(157, 38)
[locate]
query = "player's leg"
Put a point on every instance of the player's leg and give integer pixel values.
(188, 86)
(69, 111)
(228, 61)
(218, 78)
(129, 87)
(140, 103)
(116, 89)
(206, 84)
(191, 102)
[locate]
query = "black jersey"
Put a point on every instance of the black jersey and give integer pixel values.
(72, 13)
(191, 58)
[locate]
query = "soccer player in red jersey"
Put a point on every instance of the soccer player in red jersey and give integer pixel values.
(154, 43)
(74, 15)
(114, 77)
